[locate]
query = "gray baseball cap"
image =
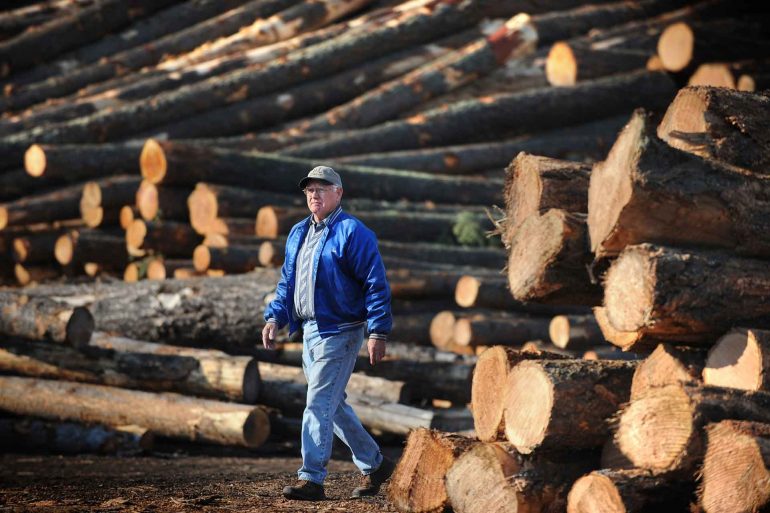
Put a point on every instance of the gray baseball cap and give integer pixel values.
(324, 173)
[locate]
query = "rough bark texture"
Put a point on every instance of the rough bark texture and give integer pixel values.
(509, 330)
(663, 430)
(44, 318)
(107, 248)
(730, 126)
(688, 297)
(166, 414)
(626, 340)
(58, 164)
(549, 260)
(57, 205)
(668, 365)
(740, 359)
(736, 467)
(695, 201)
(564, 404)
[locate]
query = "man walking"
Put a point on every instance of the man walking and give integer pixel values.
(332, 285)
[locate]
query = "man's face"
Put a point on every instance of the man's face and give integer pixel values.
(322, 197)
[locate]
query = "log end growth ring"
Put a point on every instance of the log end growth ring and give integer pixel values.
(152, 162)
(35, 161)
(491, 368)
(628, 293)
(528, 401)
(675, 46)
(594, 493)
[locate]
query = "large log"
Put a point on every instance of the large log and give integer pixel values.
(180, 164)
(485, 118)
(127, 363)
(564, 404)
(166, 414)
(715, 205)
(736, 467)
(44, 318)
(628, 491)
(663, 430)
(668, 365)
(549, 260)
(417, 485)
(740, 359)
(509, 330)
(492, 369)
(535, 184)
(726, 125)
(688, 297)
(57, 164)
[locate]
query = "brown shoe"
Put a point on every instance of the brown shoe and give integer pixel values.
(370, 484)
(305, 491)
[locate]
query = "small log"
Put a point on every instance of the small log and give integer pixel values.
(549, 260)
(126, 216)
(570, 62)
(442, 333)
(642, 175)
(29, 275)
(35, 248)
(161, 203)
(166, 237)
(166, 413)
(412, 328)
(542, 398)
(660, 293)
(663, 431)
(232, 259)
(740, 359)
(725, 125)
(509, 330)
(736, 467)
(44, 318)
(574, 333)
(668, 365)
(483, 292)
(628, 491)
(74, 438)
(82, 246)
(739, 75)
(408, 283)
(535, 184)
(58, 205)
(492, 369)
(161, 268)
(59, 164)
(625, 340)
(417, 485)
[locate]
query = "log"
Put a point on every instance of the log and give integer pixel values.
(575, 332)
(668, 365)
(82, 26)
(549, 260)
(44, 318)
(641, 175)
(663, 431)
(57, 205)
(736, 467)
(721, 124)
(589, 141)
(102, 200)
(535, 184)
(510, 330)
(178, 164)
(169, 238)
(626, 340)
(436, 380)
(563, 404)
(628, 491)
(162, 268)
(161, 203)
(30, 275)
(417, 484)
(484, 292)
(126, 363)
(570, 62)
(492, 369)
(17, 19)
(165, 414)
(417, 284)
(740, 359)
(661, 293)
(35, 248)
(31, 434)
(511, 482)
(739, 75)
(108, 249)
(442, 333)
(54, 164)
(485, 118)
(232, 259)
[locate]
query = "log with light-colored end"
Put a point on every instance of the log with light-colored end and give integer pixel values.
(271, 254)
(201, 258)
(713, 74)
(625, 340)
(127, 215)
(64, 248)
(147, 200)
(560, 66)
(740, 359)
(203, 206)
(35, 161)
(152, 162)
(480, 481)
(574, 332)
(132, 273)
(135, 235)
(668, 365)
(675, 46)
(442, 329)
(274, 221)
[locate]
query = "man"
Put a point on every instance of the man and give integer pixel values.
(333, 285)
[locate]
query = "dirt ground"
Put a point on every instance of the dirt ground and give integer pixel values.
(174, 479)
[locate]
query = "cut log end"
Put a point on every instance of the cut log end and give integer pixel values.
(152, 162)
(126, 216)
(20, 249)
(559, 331)
(3, 217)
(135, 234)
(528, 402)
(80, 327)
(714, 75)
(203, 206)
(267, 223)
(92, 216)
(35, 161)
(480, 481)
(256, 428)
(131, 273)
(91, 196)
(746, 83)
(201, 258)
(561, 66)
(491, 369)
(467, 291)
(683, 120)
(64, 249)
(462, 332)
(655, 429)
(735, 362)
(442, 329)
(92, 269)
(675, 46)
(628, 292)
(270, 255)
(147, 200)
(251, 382)
(156, 269)
(595, 493)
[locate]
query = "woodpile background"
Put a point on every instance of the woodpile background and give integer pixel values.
(550, 210)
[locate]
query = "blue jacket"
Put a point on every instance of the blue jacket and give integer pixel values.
(350, 284)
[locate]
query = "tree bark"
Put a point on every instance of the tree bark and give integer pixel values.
(177, 164)
(417, 485)
(740, 75)
(535, 184)
(110, 195)
(165, 413)
(575, 332)
(736, 467)
(564, 404)
(35, 248)
(44, 318)
(168, 238)
(628, 491)
(57, 205)
(688, 297)
(663, 431)
(549, 260)
(668, 365)
(569, 63)
(492, 369)
(106, 248)
(60, 164)
(643, 174)
(485, 118)
(740, 359)
(729, 126)
(510, 330)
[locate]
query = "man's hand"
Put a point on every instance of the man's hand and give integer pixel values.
(268, 335)
(376, 348)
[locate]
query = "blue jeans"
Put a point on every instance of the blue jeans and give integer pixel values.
(328, 364)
